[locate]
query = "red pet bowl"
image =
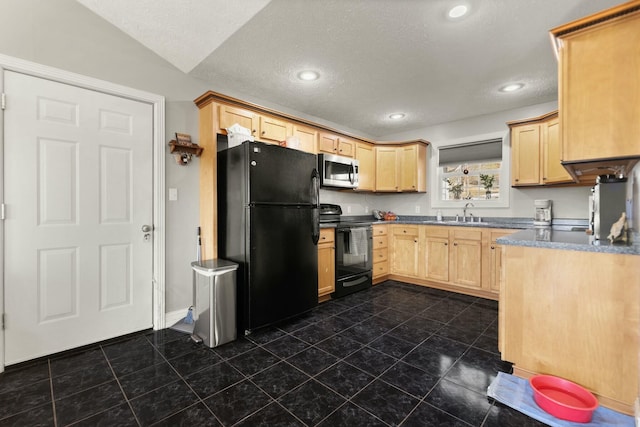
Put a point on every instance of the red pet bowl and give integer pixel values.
(563, 399)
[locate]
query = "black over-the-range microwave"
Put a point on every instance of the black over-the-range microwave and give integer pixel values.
(337, 171)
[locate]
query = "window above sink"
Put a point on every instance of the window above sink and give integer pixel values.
(474, 169)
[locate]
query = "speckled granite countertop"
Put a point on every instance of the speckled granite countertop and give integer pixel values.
(567, 240)
(484, 222)
(566, 234)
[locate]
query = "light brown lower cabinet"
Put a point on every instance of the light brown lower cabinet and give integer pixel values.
(455, 258)
(435, 253)
(574, 315)
(326, 263)
(380, 253)
(404, 250)
(466, 257)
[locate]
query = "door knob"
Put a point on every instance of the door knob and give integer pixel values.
(146, 228)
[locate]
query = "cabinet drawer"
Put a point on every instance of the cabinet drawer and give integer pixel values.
(442, 232)
(380, 268)
(380, 242)
(409, 230)
(466, 234)
(380, 255)
(326, 235)
(380, 230)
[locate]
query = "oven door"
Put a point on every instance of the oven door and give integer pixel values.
(354, 253)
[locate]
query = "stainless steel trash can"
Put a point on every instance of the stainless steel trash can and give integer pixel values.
(214, 283)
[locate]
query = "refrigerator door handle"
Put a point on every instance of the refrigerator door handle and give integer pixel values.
(315, 188)
(315, 200)
(315, 234)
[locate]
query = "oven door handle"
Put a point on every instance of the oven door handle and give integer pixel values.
(358, 281)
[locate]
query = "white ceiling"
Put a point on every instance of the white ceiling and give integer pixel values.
(375, 57)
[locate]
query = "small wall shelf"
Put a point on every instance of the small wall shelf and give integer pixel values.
(193, 149)
(184, 149)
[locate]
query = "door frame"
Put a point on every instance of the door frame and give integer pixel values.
(158, 103)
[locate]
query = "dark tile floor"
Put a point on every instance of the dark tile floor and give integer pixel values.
(397, 354)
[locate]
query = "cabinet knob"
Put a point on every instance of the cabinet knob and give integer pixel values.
(492, 247)
(263, 132)
(517, 180)
(446, 244)
(455, 244)
(253, 131)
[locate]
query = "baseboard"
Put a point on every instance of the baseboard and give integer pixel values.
(174, 317)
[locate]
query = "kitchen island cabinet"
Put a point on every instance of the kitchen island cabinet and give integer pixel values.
(574, 314)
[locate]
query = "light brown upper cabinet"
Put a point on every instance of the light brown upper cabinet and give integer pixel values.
(599, 87)
(366, 156)
(535, 152)
(386, 169)
(273, 130)
(307, 136)
(263, 128)
(401, 168)
(228, 116)
(335, 144)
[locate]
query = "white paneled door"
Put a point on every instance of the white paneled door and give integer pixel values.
(78, 189)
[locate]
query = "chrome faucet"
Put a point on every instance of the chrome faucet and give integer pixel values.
(464, 211)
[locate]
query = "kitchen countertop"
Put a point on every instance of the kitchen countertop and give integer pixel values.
(566, 234)
(485, 222)
(567, 240)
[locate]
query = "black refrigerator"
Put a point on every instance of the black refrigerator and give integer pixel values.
(268, 223)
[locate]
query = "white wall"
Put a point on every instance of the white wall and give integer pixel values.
(568, 202)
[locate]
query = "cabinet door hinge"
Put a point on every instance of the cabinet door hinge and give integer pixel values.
(3, 101)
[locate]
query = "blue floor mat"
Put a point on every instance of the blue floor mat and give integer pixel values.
(518, 394)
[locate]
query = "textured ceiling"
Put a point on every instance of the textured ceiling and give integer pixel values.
(375, 57)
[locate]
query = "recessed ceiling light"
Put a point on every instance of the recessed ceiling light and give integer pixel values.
(308, 75)
(458, 11)
(512, 87)
(396, 116)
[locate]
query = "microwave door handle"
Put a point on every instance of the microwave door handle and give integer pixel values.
(352, 174)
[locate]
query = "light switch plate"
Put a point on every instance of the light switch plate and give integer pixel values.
(173, 194)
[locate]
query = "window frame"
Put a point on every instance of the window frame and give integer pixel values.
(436, 176)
